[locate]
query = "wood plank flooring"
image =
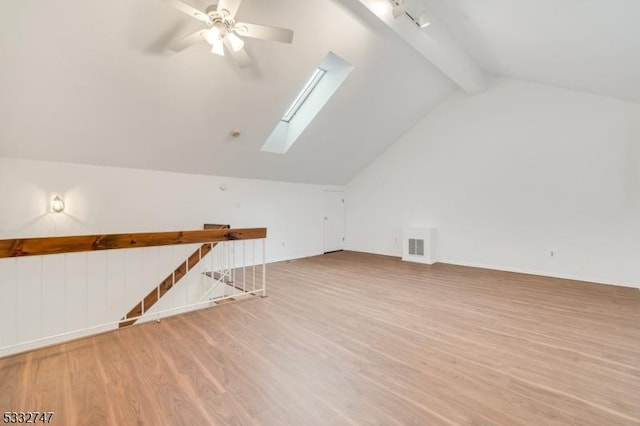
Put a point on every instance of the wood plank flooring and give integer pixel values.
(356, 339)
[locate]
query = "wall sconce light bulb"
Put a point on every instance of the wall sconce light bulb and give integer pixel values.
(57, 204)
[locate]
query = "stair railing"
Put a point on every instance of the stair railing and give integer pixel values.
(60, 288)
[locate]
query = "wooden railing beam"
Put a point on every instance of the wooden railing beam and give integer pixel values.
(83, 243)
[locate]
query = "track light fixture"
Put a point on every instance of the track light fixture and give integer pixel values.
(422, 20)
(399, 8)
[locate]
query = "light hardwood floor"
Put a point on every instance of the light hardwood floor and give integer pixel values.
(350, 338)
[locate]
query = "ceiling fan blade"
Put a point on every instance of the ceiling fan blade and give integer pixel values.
(240, 57)
(188, 41)
(231, 6)
(264, 32)
(191, 11)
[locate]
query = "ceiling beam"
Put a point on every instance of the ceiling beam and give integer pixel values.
(434, 43)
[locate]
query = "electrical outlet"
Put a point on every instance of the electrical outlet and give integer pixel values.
(552, 253)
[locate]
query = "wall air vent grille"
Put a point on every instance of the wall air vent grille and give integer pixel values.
(416, 247)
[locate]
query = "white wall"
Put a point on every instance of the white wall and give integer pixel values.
(115, 200)
(44, 296)
(506, 177)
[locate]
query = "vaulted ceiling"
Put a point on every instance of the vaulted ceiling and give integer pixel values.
(586, 45)
(90, 81)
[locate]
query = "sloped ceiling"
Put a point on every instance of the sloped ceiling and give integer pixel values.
(586, 45)
(88, 81)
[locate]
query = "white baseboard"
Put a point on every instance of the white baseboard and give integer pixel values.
(380, 253)
(293, 257)
(517, 270)
(539, 273)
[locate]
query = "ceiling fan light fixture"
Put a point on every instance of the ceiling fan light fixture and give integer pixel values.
(236, 42)
(213, 36)
(217, 48)
(223, 32)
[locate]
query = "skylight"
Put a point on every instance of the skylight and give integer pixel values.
(304, 94)
(327, 77)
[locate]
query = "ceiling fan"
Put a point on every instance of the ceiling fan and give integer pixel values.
(223, 31)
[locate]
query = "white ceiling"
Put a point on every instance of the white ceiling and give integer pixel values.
(587, 45)
(88, 80)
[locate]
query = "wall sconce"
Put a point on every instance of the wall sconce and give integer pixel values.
(57, 205)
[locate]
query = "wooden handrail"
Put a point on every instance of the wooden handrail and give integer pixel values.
(80, 243)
